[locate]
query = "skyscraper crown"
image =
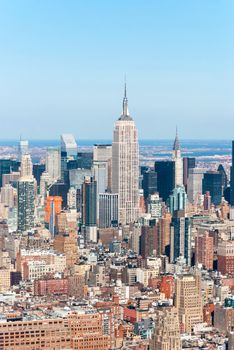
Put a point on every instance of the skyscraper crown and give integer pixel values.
(125, 115)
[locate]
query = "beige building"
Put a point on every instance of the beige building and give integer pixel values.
(34, 270)
(231, 341)
(125, 166)
(8, 196)
(26, 166)
(53, 163)
(74, 332)
(167, 333)
(50, 257)
(5, 279)
(188, 301)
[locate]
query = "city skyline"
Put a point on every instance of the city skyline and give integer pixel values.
(116, 175)
(62, 65)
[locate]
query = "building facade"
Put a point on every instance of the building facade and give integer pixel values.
(125, 166)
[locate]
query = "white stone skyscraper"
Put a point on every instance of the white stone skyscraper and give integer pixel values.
(125, 166)
(178, 162)
(53, 163)
(26, 167)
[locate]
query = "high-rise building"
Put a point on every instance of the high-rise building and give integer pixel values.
(69, 151)
(164, 229)
(52, 208)
(188, 300)
(207, 201)
(125, 166)
(149, 183)
(102, 166)
(148, 241)
(188, 163)
(69, 145)
(154, 206)
(85, 160)
(212, 182)
(23, 148)
(11, 178)
(26, 196)
(89, 190)
(65, 240)
(45, 183)
(102, 152)
(180, 241)
(204, 250)
(178, 199)
(165, 178)
(102, 169)
(38, 170)
(7, 166)
(89, 208)
(72, 198)
(231, 340)
(108, 209)
(226, 257)
(194, 184)
(59, 189)
(8, 196)
(222, 171)
(167, 332)
(53, 163)
(26, 166)
(178, 162)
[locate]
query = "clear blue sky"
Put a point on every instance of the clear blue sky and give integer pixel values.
(62, 66)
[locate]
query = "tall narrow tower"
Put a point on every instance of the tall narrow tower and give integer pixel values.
(125, 165)
(178, 161)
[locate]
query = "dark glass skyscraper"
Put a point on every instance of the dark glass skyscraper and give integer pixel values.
(165, 178)
(149, 183)
(60, 189)
(89, 202)
(222, 171)
(85, 160)
(212, 182)
(180, 242)
(38, 169)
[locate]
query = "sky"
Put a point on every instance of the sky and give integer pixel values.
(62, 67)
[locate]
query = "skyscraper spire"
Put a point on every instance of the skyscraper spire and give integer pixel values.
(125, 102)
(176, 146)
(178, 161)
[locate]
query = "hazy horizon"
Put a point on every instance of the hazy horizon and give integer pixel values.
(62, 68)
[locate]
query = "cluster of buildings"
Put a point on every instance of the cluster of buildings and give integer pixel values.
(99, 252)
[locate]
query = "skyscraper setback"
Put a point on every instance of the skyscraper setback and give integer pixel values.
(125, 165)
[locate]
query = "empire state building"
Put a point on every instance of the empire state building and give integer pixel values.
(125, 165)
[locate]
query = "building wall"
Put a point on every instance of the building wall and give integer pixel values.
(80, 332)
(125, 170)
